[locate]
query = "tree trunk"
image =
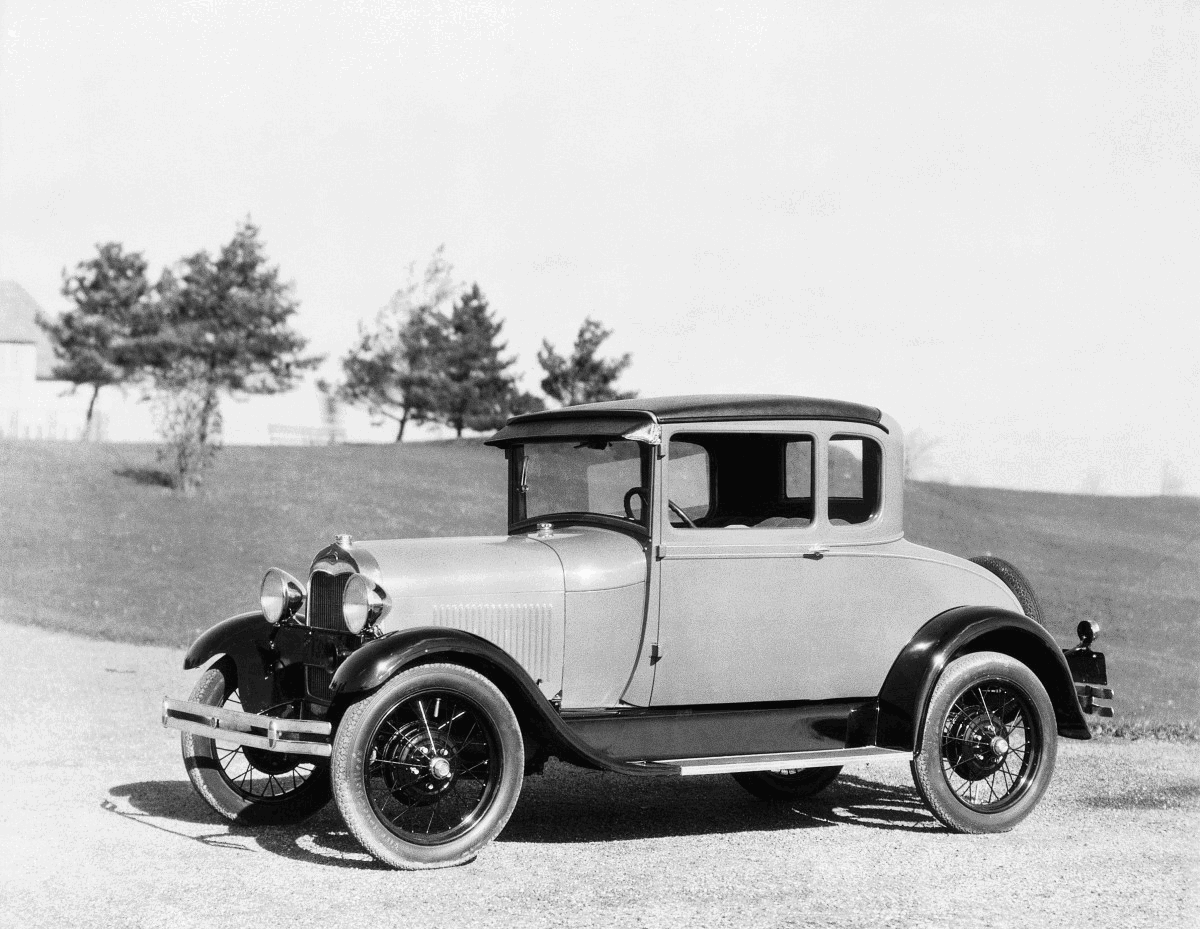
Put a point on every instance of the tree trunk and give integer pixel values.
(206, 415)
(403, 423)
(87, 422)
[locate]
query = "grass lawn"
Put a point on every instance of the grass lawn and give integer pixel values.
(94, 544)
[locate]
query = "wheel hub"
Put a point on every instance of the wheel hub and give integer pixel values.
(978, 748)
(271, 762)
(417, 763)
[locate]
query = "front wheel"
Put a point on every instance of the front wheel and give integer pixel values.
(987, 752)
(427, 770)
(247, 785)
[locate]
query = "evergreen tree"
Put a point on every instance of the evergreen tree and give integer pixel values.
(473, 388)
(95, 341)
(222, 325)
(584, 377)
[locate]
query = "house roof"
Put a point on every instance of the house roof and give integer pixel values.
(615, 416)
(18, 315)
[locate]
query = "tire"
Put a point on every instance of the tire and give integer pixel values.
(787, 785)
(426, 771)
(990, 726)
(1015, 581)
(246, 785)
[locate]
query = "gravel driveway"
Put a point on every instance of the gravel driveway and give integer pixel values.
(101, 828)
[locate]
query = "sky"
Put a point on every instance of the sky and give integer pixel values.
(983, 218)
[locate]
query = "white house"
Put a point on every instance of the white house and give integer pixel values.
(32, 404)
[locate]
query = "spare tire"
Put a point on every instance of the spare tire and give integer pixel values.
(1015, 581)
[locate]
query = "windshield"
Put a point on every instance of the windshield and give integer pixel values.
(597, 476)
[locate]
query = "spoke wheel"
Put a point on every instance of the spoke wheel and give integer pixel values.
(249, 785)
(260, 775)
(428, 769)
(988, 748)
(787, 785)
(989, 744)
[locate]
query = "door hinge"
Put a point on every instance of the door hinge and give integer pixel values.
(656, 653)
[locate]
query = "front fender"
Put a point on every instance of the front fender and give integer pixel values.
(379, 660)
(909, 684)
(232, 634)
(260, 652)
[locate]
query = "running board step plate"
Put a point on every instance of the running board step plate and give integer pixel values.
(779, 761)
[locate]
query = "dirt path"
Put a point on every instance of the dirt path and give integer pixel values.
(100, 827)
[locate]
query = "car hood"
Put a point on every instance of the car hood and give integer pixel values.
(572, 559)
(461, 567)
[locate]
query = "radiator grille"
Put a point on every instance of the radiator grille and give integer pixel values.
(325, 601)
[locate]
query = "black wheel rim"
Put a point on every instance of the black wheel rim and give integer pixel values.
(433, 766)
(991, 746)
(262, 776)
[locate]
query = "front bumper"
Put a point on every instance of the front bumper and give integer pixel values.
(236, 727)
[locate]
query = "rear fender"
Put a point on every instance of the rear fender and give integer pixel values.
(909, 685)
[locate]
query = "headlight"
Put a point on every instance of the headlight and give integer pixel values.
(280, 595)
(360, 603)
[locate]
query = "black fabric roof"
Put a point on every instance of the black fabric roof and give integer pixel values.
(606, 417)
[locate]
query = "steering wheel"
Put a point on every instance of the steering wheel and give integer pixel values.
(639, 492)
(682, 515)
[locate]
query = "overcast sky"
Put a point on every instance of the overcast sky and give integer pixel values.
(984, 218)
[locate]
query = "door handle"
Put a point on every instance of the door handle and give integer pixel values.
(816, 552)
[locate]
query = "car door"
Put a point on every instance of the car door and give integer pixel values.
(764, 609)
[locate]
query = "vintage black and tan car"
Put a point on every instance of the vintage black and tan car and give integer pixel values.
(689, 585)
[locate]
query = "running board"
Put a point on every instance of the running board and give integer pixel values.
(779, 761)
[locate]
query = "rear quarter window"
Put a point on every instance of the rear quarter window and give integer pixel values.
(855, 479)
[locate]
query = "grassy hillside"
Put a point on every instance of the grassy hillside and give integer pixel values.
(93, 543)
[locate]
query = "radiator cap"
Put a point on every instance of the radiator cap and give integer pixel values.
(343, 539)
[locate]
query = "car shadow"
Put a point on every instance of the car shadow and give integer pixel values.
(564, 806)
(175, 807)
(591, 807)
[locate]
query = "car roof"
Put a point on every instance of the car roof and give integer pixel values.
(613, 417)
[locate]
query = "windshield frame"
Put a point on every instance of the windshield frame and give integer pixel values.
(519, 523)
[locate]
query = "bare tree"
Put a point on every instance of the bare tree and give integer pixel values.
(1172, 483)
(392, 369)
(918, 446)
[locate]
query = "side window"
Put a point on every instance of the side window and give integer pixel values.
(741, 480)
(854, 479)
(688, 481)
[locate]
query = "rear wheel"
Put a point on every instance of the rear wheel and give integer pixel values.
(427, 770)
(988, 749)
(250, 785)
(787, 785)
